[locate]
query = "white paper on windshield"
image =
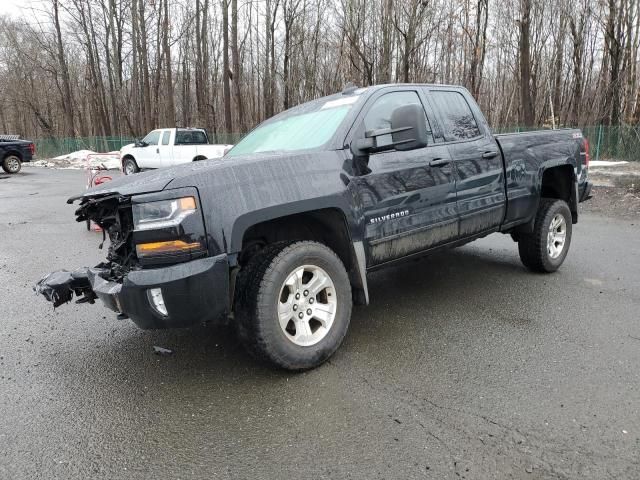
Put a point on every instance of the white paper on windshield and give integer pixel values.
(340, 102)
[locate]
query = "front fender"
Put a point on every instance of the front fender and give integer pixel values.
(249, 219)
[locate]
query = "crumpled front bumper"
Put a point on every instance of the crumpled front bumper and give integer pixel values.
(193, 292)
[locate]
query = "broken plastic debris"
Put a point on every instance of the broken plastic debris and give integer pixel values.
(162, 351)
(59, 287)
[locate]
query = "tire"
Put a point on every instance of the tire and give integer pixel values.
(268, 313)
(129, 166)
(11, 164)
(540, 251)
(199, 158)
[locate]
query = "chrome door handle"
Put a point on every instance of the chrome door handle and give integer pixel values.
(439, 162)
(489, 154)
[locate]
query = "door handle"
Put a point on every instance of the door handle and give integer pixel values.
(439, 162)
(489, 154)
(157, 150)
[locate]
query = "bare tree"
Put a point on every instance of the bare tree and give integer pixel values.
(124, 67)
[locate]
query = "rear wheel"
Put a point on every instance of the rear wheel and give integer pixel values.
(11, 164)
(293, 304)
(129, 166)
(198, 158)
(545, 249)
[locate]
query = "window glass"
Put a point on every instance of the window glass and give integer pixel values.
(379, 115)
(295, 132)
(152, 138)
(165, 137)
(190, 137)
(457, 118)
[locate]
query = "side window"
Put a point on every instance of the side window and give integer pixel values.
(457, 118)
(165, 137)
(152, 138)
(379, 115)
(190, 137)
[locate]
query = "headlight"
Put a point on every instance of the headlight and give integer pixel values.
(168, 230)
(163, 213)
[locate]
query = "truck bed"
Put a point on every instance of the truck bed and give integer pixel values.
(525, 153)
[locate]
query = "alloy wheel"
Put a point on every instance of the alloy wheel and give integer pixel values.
(307, 305)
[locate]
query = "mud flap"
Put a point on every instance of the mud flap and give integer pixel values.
(59, 287)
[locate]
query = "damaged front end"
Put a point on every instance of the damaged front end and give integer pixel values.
(113, 214)
(158, 271)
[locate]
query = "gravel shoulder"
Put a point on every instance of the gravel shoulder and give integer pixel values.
(616, 191)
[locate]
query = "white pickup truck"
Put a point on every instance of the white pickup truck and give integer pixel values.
(167, 147)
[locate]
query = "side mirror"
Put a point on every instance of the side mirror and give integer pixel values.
(408, 131)
(409, 126)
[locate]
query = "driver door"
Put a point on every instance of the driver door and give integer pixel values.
(149, 155)
(408, 197)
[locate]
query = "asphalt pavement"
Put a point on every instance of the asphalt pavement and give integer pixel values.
(465, 365)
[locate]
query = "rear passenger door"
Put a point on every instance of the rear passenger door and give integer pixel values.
(480, 193)
(407, 197)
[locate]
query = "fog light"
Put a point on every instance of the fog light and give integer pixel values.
(157, 301)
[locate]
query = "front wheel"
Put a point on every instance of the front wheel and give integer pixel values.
(545, 249)
(293, 304)
(11, 164)
(129, 166)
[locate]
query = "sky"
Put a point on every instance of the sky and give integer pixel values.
(21, 8)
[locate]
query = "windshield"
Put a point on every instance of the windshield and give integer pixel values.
(300, 129)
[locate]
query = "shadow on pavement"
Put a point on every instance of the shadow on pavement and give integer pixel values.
(422, 287)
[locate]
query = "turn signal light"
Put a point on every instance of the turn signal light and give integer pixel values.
(172, 246)
(187, 203)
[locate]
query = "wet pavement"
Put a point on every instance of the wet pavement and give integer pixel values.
(464, 366)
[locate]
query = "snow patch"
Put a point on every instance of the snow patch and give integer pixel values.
(606, 163)
(80, 160)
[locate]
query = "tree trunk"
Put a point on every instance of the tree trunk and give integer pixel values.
(170, 120)
(237, 71)
(526, 104)
(67, 104)
(226, 90)
(578, 48)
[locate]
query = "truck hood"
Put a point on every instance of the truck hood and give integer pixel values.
(145, 182)
(181, 175)
(126, 149)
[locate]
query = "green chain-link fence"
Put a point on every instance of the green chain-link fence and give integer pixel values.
(226, 138)
(54, 147)
(620, 143)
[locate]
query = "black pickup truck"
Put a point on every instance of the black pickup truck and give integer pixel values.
(14, 151)
(279, 235)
